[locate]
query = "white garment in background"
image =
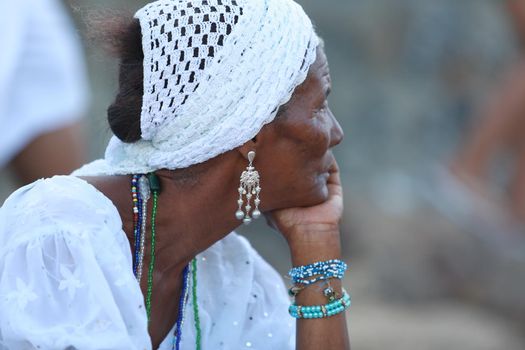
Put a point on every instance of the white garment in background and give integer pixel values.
(43, 84)
(66, 280)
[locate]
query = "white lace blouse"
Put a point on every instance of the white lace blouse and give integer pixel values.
(66, 280)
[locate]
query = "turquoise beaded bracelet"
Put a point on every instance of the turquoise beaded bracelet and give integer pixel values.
(321, 311)
(333, 268)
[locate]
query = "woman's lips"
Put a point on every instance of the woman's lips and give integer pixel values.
(325, 175)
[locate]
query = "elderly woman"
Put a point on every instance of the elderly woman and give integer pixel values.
(221, 117)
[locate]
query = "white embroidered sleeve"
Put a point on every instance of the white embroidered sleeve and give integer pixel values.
(65, 274)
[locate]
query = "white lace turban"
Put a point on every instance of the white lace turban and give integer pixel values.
(215, 72)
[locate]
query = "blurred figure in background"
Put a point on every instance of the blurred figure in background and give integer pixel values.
(499, 130)
(43, 90)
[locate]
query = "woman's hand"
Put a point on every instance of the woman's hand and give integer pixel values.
(313, 235)
(296, 223)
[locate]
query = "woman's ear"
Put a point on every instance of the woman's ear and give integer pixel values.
(262, 142)
(255, 143)
(247, 147)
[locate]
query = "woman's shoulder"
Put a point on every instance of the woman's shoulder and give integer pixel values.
(55, 204)
(66, 269)
(56, 189)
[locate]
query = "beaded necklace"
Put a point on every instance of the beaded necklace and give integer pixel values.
(152, 252)
(195, 305)
(145, 194)
(182, 308)
(141, 188)
(136, 221)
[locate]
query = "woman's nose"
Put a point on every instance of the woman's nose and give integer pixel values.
(336, 132)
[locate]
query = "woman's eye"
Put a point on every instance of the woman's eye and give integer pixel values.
(322, 108)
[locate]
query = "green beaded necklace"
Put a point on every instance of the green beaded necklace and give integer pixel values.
(154, 184)
(195, 305)
(155, 188)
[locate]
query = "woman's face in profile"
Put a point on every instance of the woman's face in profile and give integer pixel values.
(295, 163)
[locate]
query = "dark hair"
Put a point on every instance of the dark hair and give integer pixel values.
(122, 37)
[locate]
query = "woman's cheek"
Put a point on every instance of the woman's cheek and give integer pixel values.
(320, 133)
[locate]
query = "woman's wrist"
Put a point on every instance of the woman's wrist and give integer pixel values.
(310, 244)
(314, 242)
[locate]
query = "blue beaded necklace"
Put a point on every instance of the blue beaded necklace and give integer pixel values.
(182, 308)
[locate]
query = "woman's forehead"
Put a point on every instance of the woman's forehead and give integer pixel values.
(320, 70)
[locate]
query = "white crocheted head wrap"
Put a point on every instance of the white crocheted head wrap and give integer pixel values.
(215, 72)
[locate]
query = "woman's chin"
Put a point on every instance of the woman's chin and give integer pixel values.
(317, 195)
(309, 197)
(323, 194)
(321, 188)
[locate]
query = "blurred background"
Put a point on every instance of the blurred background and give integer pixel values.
(431, 95)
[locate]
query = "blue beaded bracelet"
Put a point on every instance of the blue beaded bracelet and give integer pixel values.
(321, 311)
(318, 278)
(320, 270)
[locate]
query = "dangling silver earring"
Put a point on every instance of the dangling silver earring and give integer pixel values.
(249, 186)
